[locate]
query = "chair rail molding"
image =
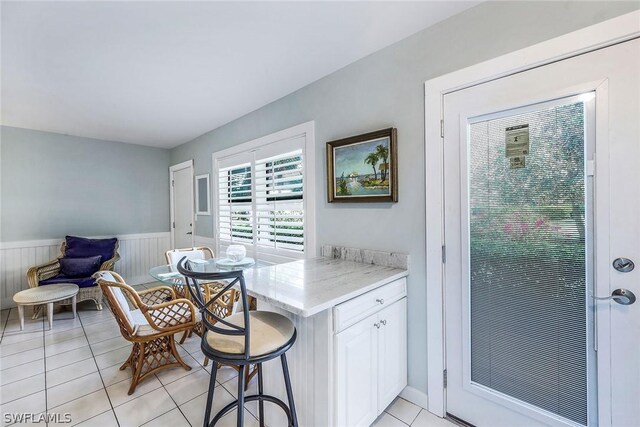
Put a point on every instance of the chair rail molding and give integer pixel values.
(138, 253)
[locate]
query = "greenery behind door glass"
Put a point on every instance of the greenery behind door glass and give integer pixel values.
(527, 269)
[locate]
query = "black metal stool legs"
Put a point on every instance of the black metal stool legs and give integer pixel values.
(287, 383)
(212, 388)
(241, 395)
(260, 392)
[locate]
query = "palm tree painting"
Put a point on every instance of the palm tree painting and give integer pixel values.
(368, 162)
(372, 159)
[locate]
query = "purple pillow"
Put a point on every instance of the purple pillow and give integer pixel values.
(80, 267)
(81, 247)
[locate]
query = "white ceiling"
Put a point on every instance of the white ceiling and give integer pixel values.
(163, 73)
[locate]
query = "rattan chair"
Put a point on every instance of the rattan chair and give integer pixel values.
(52, 269)
(223, 306)
(149, 319)
(174, 255)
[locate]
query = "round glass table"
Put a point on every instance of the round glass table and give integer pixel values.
(170, 275)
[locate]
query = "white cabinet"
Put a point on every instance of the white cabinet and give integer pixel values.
(392, 353)
(370, 357)
(356, 364)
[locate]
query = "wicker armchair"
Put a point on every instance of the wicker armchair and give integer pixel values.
(175, 255)
(51, 269)
(149, 319)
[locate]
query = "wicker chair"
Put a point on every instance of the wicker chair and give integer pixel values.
(52, 269)
(149, 319)
(223, 306)
(174, 255)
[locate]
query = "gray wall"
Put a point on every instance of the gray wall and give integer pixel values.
(386, 89)
(54, 184)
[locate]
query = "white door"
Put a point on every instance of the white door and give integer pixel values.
(356, 374)
(542, 194)
(182, 205)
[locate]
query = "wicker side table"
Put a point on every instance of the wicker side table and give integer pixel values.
(45, 295)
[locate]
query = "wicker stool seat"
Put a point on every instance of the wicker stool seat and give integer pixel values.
(243, 339)
(45, 295)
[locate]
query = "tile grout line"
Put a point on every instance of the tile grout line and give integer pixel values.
(229, 391)
(104, 387)
(6, 322)
(174, 402)
(95, 416)
(63, 352)
(44, 361)
(393, 416)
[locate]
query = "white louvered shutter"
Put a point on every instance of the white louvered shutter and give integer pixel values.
(279, 200)
(235, 203)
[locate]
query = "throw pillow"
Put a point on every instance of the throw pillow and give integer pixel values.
(80, 267)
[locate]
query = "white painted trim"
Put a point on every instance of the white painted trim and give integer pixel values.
(616, 30)
(51, 242)
(197, 190)
(172, 170)
(415, 396)
(308, 130)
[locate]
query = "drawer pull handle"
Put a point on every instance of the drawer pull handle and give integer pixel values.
(377, 325)
(384, 322)
(380, 300)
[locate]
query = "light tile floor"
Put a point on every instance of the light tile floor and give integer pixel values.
(73, 369)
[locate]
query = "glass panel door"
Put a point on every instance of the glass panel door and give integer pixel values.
(528, 252)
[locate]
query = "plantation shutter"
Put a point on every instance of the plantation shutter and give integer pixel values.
(235, 199)
(279, 199)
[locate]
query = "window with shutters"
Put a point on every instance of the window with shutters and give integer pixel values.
(279, 201)
(262, 198)
(235, 212)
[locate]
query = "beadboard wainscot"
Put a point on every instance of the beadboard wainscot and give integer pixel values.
(138, 253)
(350, 357)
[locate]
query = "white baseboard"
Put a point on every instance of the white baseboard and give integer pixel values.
(138, 253)
(414, 396)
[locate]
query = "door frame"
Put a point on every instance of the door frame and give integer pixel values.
(172, 170)
(622, 28)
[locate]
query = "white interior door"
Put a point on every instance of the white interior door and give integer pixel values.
(182, 205)
(542, 190)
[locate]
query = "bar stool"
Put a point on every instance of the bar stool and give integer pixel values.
(243, 339)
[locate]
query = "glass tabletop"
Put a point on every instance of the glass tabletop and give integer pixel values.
(170, 275)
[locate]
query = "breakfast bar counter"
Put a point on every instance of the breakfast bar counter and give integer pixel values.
(307, 287)
(349, 360)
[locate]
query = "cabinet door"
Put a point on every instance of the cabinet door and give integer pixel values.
(356, 350)
(392, 352)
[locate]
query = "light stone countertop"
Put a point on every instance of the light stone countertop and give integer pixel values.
(309, 286)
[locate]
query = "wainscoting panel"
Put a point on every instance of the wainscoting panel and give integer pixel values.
(138, 253)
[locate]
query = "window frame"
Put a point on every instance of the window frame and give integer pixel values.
(304, 130)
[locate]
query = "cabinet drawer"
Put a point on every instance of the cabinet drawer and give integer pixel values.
(356, 309)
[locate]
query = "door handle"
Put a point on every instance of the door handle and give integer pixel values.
(189, 232)
(621, 296)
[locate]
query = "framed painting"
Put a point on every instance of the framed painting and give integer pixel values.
(363, 168)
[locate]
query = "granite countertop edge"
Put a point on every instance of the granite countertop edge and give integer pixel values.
(393, 274)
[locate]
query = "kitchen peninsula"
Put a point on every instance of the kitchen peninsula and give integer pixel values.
(350, 358)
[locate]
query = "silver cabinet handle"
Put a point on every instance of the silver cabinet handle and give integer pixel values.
(621, 296)
(377, 325)
(380, 301)
(384, 322)
(189, 232)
